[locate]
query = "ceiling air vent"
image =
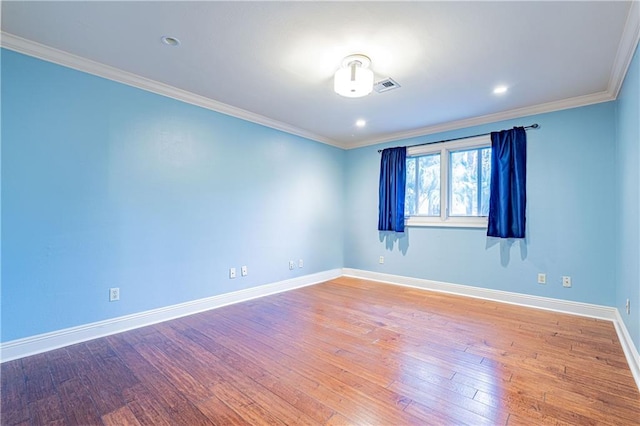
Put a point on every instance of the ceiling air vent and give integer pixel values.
(385, 85)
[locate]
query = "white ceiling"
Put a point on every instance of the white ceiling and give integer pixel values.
(273, 62)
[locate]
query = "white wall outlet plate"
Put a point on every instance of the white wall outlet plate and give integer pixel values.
(232, 272)
(291, 264)
(114, 294)
(244, 271)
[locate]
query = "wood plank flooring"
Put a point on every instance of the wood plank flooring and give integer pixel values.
(345, 352)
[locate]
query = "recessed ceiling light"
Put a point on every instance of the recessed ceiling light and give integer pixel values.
(361, 123)
(499, 90)
(170, 41)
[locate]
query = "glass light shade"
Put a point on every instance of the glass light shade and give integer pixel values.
(353, 81)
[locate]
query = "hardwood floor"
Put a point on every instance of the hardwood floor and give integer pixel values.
(343, 352)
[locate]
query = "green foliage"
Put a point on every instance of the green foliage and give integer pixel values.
(470, 175)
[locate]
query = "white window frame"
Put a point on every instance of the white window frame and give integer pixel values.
(445, 148)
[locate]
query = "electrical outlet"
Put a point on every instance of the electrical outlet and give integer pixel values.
(232, 272)
(628, 306)
(291, 264)
(300, 263)
(244, 271)
(381, 260)
(114, 294)
(566, 281)
(542, 278)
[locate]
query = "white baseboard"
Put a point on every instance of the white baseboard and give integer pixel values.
(630, 350)
(45, 342)
(547, 303)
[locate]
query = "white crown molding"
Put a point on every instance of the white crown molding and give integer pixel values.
(556, 305)
(48, 341)
(626, 49)
(624, 55)
(50, 54)
(575, 102)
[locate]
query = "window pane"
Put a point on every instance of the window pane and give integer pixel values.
(429, 185)
(468, 174)
(486, 181)
(410, 196)
(470, 180)
(464, 183)
(422, 191)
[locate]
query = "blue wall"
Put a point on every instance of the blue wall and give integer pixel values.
(105, 185)
(628, 201)
(570, 231)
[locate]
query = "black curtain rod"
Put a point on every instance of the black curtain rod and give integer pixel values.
(533, 126)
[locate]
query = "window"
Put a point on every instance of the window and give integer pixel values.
(448, 183)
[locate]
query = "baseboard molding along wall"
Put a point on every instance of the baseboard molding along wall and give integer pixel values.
(539, 302)
(48, 341)
(630, 350)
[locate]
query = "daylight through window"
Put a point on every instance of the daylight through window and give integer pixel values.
(448, 183)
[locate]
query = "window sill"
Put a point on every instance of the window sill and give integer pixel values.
(451, 222)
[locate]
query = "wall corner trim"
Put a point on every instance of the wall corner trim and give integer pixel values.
(33, 345)
(626, 48)
(556, 305)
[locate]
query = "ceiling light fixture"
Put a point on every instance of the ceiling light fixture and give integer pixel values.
(361, 123)
(500, 90)
(170, 41)
(354, 79)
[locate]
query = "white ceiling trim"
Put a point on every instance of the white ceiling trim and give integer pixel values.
(624, 55)
(575, 102)
(50, 54)
(626, 49)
